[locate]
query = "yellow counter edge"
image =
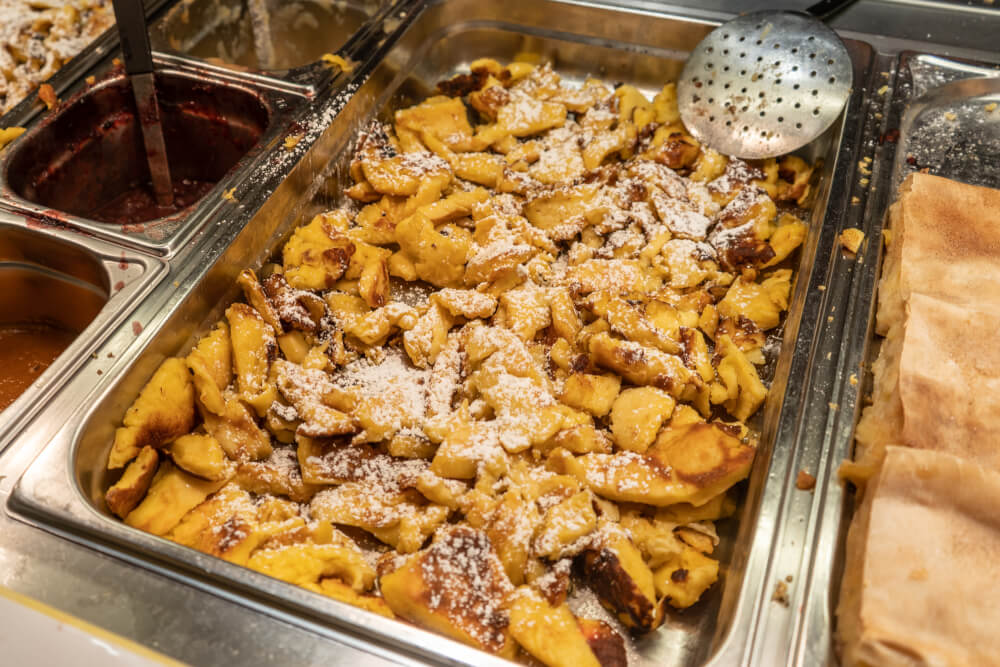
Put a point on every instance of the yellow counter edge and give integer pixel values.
(94, 630)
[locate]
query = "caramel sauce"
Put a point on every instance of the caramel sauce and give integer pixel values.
(26, 350)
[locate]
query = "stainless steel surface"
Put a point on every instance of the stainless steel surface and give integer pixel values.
(950, 130)
(946, 27)
(907, 120)
(203, 622)
(272, 35)
(764, 84)
(121, 278)
(89, 151)
(148, 108)
(63, 489)
(263, 36)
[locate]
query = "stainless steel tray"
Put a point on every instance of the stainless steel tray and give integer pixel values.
(287, 98)
(63, 489)
(276, 107)
(185, 239)
(122, 277)
(294, 35)
(930, 114)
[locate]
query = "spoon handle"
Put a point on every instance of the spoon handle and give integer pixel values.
(825, 10)
(131, 19)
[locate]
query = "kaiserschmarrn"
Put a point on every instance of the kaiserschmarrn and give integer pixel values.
(37, 37)
(517, 361)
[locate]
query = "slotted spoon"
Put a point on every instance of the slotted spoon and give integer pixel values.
(767, 82)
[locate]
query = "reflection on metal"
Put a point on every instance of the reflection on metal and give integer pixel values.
(57, 550)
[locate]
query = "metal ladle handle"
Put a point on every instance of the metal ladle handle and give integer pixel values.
(130, 16)
(825, 10)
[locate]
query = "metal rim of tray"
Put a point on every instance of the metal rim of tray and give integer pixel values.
(817, 336)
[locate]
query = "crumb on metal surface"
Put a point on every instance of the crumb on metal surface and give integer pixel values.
(47, 94)
(851, 239)
(781, 594)
(804, 481)
(332, 60)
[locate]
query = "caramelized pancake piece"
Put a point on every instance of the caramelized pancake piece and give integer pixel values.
(761, 302)
(277, 475)
(377, 503)
(606, 644)
(308, 389)
(228, 525)
(126, 493)
(200, 455)
(591, 393)
(739, 388)
(163, 411)
(511, 525)
(306, 564)
(637, 415)
(685, 576)
(688, 464)
(237, 432)
(623, 582)
(212, 368)
(563, 525)
(457, 587)
(639, 364)
(548, 633)
(253, 346)
(317, 254)
(171, 495)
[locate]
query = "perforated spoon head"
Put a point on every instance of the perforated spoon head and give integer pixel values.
(764, 84)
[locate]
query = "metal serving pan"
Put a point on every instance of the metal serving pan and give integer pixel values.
(65, 272)
(255, 111)
(88, 149)
(63, 489)
(929, 114)
(274, 36)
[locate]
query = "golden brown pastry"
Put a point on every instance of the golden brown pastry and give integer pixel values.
(923, 559)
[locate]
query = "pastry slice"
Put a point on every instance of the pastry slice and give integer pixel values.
(937, 385)
(923, 561)
(943, 242)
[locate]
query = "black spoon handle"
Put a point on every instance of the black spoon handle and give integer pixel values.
(824, 10)
(131, 18)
